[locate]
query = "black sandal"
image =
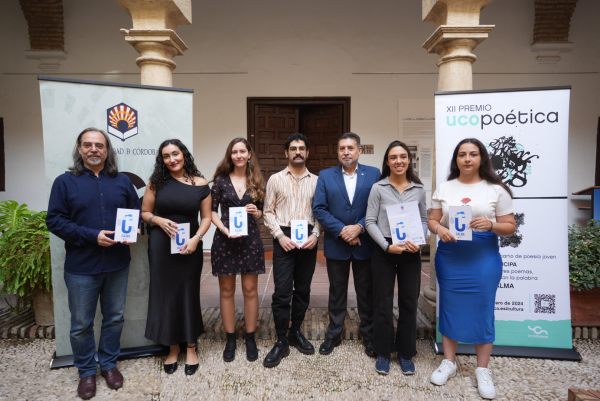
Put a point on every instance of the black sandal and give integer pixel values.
(191, 369)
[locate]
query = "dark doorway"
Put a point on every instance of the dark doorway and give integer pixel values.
(271, 120)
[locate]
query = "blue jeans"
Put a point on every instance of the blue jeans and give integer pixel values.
(84, 292)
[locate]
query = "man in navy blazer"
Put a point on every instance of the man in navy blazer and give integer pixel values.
(340, 205)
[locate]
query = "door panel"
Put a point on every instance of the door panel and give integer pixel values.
(271, 121)
(322, 127)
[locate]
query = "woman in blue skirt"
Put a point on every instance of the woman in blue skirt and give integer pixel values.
(468, 272)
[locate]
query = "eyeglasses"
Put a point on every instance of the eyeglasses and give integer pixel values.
(88, 145)
(297, 148)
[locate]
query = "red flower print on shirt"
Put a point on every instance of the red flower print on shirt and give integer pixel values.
(465, 201)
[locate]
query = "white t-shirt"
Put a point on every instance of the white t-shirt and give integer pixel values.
(487, 200)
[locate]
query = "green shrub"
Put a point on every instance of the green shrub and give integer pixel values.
(584, 256)
(25, 259)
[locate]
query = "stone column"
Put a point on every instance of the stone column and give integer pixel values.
(457, 33)
(153, 36)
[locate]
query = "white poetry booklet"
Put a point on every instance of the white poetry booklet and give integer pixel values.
(414, 229)
(460, 220)
(299, 231)
(238, 221)
(127, 225)
(182, 236)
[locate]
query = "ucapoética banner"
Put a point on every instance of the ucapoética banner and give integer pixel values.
(526, 133)
(137, 118)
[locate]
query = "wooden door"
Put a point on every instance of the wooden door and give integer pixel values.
(273, 125)
(272, 120)
(322, 125)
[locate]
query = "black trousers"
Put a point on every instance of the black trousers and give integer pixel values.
(292, 274)
(339, 273)
(386, 267)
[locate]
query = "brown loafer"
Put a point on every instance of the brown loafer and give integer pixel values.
(113, 377)
(87, 387)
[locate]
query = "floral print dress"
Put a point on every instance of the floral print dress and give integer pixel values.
(243, 255)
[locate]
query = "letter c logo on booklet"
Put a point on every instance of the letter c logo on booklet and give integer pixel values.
(238, 220)
(299, 236)
(463, 226)
(180, 240)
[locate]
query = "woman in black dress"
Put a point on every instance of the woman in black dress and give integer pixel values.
(176, 192)
(237, 183)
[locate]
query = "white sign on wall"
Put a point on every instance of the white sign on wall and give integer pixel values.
(526, 133)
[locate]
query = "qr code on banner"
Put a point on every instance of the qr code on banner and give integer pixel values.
(545, 303)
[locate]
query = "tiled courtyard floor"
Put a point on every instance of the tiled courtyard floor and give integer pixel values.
(319, 293)
(347, 374)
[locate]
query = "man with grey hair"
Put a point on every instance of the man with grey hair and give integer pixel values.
(340, 205)
(82, 211)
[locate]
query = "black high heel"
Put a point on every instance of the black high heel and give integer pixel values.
(191, 369)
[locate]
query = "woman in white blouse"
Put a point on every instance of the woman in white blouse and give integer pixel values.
(468, 272)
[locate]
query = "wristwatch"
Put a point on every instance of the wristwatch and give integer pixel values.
(361, 228)
(199, 236)
(317, 234)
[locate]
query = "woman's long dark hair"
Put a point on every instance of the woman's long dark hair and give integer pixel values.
(110, 164)
(161, 173)
(254, 179)
(486, 170)
(386, 170)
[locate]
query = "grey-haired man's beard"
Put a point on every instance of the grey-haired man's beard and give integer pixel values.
(95, 161)
(349, 163)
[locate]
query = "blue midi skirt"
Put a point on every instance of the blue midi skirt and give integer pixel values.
(468, 274)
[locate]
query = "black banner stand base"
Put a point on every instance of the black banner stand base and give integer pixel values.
(518, 352)
(126, 353)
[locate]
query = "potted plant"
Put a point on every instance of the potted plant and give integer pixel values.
(584, 274)
(25, 267)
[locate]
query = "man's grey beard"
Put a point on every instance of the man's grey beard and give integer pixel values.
(349, 163)
(93, 162)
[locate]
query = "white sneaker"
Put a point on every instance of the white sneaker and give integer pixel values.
(485, 385)
(445, 371)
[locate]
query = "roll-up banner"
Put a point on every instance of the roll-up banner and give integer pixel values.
(526, 134)
(137, 118)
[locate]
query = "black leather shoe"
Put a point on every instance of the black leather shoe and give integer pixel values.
(191, 369)
(87, 387)
(229, 352)
(170, 368)
(277, 353)
(301, 343)
(369, 348)
(251, 350)
(328, 345)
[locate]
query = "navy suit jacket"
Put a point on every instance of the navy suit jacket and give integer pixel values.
(332, 208)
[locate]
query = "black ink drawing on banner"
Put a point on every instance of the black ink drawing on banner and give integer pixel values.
(510, 160)
(515, 239)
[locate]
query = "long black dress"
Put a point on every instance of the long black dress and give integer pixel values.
(174, 314)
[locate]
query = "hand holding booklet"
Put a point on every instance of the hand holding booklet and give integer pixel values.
(405, 223)
(238, 221)
(460, 220)
(182, 236)
(299, 231)
(126, 225)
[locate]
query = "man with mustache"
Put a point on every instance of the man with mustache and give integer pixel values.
(82, 211)
(289, 196)
(340, 206)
